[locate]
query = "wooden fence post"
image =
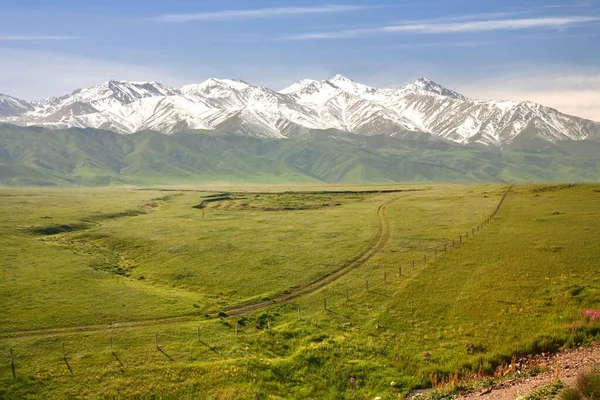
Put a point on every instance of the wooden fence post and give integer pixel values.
(65, 358)
(198, 334)
(413, 264)
(298, 313)
(399, 270)
(347, 294)
(12, 364)
(236, 329)
(325, 303)
(156, 340)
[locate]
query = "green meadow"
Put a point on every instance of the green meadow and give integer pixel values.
(304, 292)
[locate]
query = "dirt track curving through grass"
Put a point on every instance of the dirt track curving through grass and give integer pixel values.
(378, 243)
(381, 240)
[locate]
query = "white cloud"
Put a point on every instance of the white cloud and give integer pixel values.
(34, 38)
(257, 13)
(455, 27)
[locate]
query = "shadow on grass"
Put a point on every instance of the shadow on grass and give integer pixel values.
(118, 360)
(375, 292)
(164, 353)
(336, 313)
(67, 364)
(211, 348)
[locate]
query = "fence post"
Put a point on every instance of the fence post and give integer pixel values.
(298, 313)
(425, 258)
(12, 364)
(347, 294)
(325, 303)
(65, 358)
(399, 270)
(198, 333)
(156, 340)
(384, 276)
(236, 329)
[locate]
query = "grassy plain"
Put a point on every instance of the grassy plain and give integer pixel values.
(84, 266)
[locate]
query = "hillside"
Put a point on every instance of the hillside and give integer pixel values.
(89, 157)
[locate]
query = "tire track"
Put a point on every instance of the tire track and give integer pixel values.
(379, 242)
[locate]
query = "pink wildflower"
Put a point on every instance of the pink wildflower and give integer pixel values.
(592, 314)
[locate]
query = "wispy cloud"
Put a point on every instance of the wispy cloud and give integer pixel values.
(584, 4)
(34, 38)
(455, 27)
(258, 13)
(443, 44)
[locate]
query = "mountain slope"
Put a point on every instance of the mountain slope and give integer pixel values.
(12, 107)
(339, 103)
(41, 156)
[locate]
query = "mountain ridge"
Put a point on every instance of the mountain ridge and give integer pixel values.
(337, 103)
(91, 157)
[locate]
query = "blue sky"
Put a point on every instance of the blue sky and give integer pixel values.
(545, 51)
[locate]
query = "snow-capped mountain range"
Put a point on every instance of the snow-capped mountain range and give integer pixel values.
(339, 103)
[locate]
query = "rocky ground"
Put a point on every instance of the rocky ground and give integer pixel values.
(566, 366)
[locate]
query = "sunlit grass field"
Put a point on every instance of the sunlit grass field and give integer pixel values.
(141, 268)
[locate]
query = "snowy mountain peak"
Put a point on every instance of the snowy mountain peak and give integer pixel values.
(234, 83)
(101, 97)
(298, 86)
(427, 86)
(214, 84)
(235, 106)
(11, 106)
(353, 88)
(340, 78)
